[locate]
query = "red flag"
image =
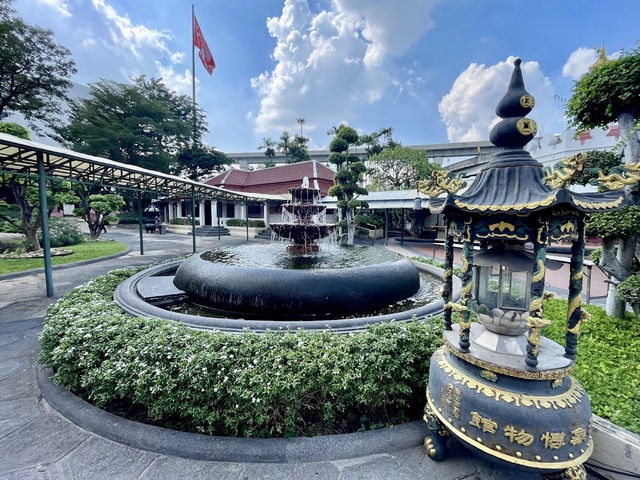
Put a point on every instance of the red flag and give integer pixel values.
(203, 49)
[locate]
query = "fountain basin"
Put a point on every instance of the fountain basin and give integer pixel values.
(289, 293)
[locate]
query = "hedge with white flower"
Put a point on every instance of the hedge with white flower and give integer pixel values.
(252, 385)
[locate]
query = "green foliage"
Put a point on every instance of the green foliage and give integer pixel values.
(601, 95)
(348, 134)
(241, 222)
(629, 291)
(252, 385)
(338, 145)
(34, 70)
(399, 168)
(269, 151)
(131, 218)
(12, 214)
(199, 161)
(182, 221)
(142, 123)
(62, 232)
(457, 271)
(621, 223)
(608, 362)
(596, 255)
(102, 204)
(15, 130)
(372, 220)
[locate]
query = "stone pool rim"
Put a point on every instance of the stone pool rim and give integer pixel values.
(127, 298)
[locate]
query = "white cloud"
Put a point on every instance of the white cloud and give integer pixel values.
(125, 33)
(468, 110)
(389, 27)
(579, 62)
(60, 5)
(329, 61)
(179, 82)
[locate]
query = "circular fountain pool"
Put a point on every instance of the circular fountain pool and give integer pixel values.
(262, 287)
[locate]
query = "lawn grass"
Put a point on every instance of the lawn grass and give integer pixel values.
(608, 363)
(81, 251)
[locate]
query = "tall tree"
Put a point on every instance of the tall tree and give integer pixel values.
(399, 168)
(34, 69)
(284, 145)
(347, 180)
(610, 92)
(141, 123)
(199, 162)
(298, 150)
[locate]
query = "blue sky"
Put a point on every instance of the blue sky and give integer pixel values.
(431, 69)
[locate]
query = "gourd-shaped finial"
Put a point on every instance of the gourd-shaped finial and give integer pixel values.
(515, 131)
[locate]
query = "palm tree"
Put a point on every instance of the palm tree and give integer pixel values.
(301, 121)
(285, 143)
(268, 145)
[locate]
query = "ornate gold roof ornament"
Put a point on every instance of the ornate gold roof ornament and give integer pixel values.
(441, 181)
(566, 171)
(629, 175)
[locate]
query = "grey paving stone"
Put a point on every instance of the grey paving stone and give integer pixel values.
(24, 347)
(374, 468)
(10, 338)
(13, 366)
(30, 474)
(287, 471)
(98, 458)
(491, 471)
(16, 413)
(42, 441)
(171, 468)
(18, 386)
(458, 463)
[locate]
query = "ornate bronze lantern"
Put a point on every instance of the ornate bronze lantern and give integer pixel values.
(497, 384)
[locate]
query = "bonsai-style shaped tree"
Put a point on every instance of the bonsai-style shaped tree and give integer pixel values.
(610, 92)
(346, 186)
(103, 205)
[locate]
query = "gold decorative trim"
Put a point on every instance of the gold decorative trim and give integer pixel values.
(504, 208)
(508, 236)
(527, 126)
(573, 305)
(577, 275)
(564, 400)
(489, 375)
(511, 372)
(502, 225)
(536, 464)
(541, 271)
(599, 205)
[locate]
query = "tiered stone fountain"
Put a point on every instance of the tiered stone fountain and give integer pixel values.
(303, 220)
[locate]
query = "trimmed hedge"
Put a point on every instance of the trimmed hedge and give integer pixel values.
(252, 385)
(608, 362)
(240, 222)
(182, 221)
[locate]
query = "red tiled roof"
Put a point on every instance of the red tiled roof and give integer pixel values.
(276, 179)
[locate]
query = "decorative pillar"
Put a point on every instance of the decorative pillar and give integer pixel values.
(201, 204)
(265, 206)
(574, 312)
(214, 212)
(447, 287)
(170, 209)
(467, 285)
(535, 322)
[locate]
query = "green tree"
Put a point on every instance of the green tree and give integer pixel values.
(34, 69)
(269, 151)
(27, 199)
(349, 174)
(140, 123)
(15, 130)
(96, 209)
(399, 168)
(284, 145)
(198, 162)
(610, 92)
(298, 150)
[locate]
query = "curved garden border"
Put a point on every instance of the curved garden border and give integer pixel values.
(227, 449)
(127, 298)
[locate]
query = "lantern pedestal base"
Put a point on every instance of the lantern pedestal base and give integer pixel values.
(539, 425)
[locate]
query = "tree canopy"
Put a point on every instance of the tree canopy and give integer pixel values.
(605, 92)
(142, 123)
(399, 168)
(34, 69)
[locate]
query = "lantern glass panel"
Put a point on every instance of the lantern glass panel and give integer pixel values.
(514, 289)
(489, 286)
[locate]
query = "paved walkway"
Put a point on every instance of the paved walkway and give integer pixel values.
(37, 443)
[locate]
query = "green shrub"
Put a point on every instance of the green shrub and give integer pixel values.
(181, 221)
(629, 291)
(457, 271)
(131, 218)
(62, 232)
(595, 255)
(608, 361)
(241, 222)
(254, 385)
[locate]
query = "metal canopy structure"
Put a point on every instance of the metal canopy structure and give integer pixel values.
(40, 162)
(20, 157)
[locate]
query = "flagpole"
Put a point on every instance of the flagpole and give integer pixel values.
(193, 70)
